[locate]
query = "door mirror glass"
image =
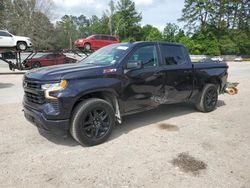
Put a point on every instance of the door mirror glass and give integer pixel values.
(134, 64)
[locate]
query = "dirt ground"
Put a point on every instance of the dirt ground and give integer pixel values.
(171, 146)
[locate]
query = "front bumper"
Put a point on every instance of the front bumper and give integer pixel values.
(58, 127)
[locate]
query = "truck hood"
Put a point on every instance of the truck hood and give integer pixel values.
(68, 71)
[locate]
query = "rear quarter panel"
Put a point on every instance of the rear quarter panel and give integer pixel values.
(204, 73)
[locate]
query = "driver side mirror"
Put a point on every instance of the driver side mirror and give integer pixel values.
(134, 64)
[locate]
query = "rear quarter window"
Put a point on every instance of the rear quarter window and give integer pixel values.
(112, 38)
(105, 37)
(173, 55)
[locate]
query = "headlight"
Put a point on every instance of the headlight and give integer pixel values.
(53, 87)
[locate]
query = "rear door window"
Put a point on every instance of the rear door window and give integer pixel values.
(104, 37)
(173, 55)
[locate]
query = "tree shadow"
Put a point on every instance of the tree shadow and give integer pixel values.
(142, 119)
(135, 121)
(5, 85)
(162, 113)
(65, 141)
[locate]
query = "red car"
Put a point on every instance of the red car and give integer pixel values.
(48, 60)
(94, 42)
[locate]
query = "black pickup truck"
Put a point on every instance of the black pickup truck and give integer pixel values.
(86, 99)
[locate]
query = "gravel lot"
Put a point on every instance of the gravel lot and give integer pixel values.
(172, 146)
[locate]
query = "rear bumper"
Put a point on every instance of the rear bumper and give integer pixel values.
(58, 127)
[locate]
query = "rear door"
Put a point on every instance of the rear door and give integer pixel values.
(60, 59)
(106, 40)
(97, 43)
(142, 87)
(49, 60)
(6, 40)
(176, 65)
(112, 40)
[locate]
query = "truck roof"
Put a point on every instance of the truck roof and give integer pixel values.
(153, 42)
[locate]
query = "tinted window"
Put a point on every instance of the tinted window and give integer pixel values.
(4, 34)
(105, 37)
(51, 56)
(146, 54)
(98, 37)
(173, 55)
(112, 38)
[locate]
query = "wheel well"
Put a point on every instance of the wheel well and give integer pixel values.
(216, 81)
(36, 62)
(105, 95)
(21, 41)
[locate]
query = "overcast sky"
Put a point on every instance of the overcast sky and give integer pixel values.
(154, 12)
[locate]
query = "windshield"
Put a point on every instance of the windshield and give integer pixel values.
(89, 36)
(107, 56)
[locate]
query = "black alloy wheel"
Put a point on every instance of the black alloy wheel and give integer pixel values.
(208, 99)
(92, 121)
(96, 124)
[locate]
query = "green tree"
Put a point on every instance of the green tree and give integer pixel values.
(67, 31)
(25, 17)
(227, 21)
(170, 32)
(145, 30)
(111, 12)
(83, 27)
(127, 19)
(228, 46)
(1, 14)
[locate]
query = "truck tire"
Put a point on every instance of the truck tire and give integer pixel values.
(22, 46)
(208, 99)
(92, 122)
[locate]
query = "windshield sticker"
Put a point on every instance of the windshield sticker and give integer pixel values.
(122, 47)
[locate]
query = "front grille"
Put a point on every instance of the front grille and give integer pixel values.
(34, 98)
(33, 92)
(32, 85)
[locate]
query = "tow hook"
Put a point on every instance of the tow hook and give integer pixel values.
(231, 88)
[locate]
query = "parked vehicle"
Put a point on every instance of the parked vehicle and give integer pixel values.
(238, 59)
(89, 97)
(48, 60)
(218, 59)
(95, 42)
(208, 60)
(8, 40)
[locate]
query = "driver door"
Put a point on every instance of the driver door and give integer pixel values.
(141, 87)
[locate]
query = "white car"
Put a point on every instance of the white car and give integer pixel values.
(8, 40)
(219, 59)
